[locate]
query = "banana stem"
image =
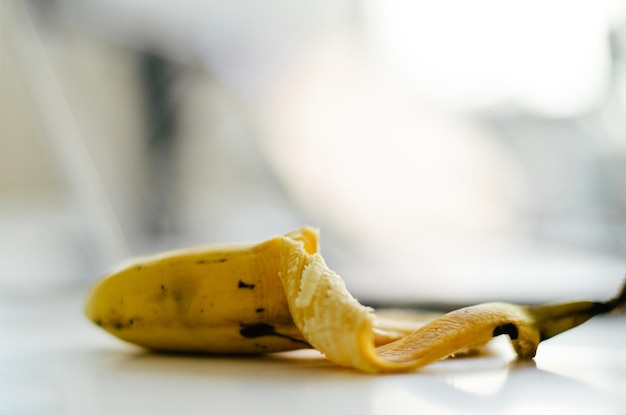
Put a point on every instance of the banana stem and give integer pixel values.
(553, 319)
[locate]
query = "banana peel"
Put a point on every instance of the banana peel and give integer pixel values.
(280, 295)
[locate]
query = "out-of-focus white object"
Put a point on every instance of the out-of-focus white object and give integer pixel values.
(376, 163)
(552, 58)
(434, 200)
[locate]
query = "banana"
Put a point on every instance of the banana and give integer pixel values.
(280, 295)
(222, 299)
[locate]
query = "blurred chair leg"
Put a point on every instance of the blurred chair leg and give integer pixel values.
(159, 78)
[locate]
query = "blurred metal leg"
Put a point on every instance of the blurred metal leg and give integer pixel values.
(63, 138)
(161, 125)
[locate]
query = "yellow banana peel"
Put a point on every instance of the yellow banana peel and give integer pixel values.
(280, 295)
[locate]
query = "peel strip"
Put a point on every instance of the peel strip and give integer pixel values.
(336, 324)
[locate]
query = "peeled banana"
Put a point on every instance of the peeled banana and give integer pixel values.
(280, 295)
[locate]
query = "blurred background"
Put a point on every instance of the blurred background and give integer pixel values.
(449, 151)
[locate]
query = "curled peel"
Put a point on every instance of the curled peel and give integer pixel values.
(336, 324)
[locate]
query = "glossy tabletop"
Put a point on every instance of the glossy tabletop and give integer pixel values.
(53, 361)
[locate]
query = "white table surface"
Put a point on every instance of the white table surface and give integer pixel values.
(53, 361)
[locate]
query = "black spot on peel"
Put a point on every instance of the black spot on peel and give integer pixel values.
(253, 331)
(206, 261)
(117, 324)
(179, 297)
(260, 310)
(244, 285)
(509, 328)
